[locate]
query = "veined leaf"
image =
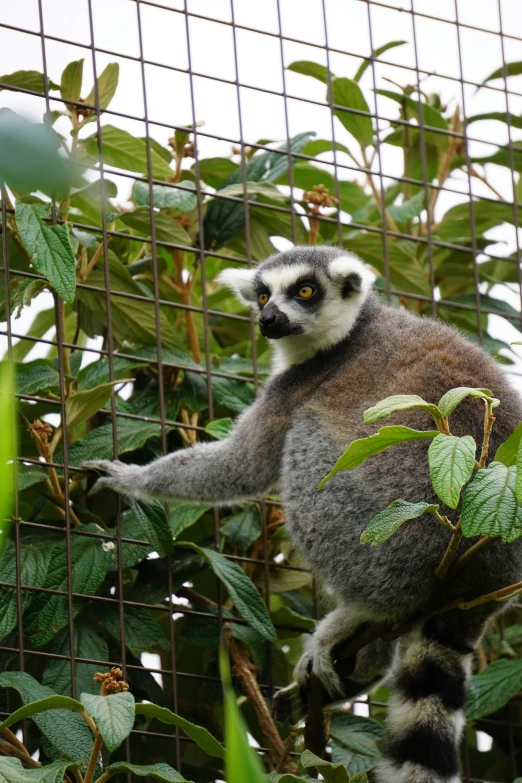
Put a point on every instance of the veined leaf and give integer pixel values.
(243, 528)
(452, 461)
(507, 451)
(346, 92)
(518, 478)
(184, 515)
(166, 197)
(308, 68)
(36, 376)
(107, 85)
(65, 729)
(158, 771)
(71, 81)
(198, 734)
(166, 227)
(424, 114)
(12, 771)
(153, 521)
(356, 742)
(114, 716)
(87, 644)
(508, 69)
(42, 705)
(242, 590)
(219, 428)
(359, 450)
(98, 443)
(85, 403)
(491, 689)
(399, 402)
(28, 80)
(489, 505)
(332, 773)
(387, 522)
(49, 249)
(124, 151)
(449, 401)
(375, 54)
(514, 120)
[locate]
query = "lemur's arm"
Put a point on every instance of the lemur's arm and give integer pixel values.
(243, 466)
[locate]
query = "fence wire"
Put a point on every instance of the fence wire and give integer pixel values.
(227, 63)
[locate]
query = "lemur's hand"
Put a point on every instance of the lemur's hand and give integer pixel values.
(120, 477)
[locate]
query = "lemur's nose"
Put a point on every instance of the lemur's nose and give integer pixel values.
(267, 319)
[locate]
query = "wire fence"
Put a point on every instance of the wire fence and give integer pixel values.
(298, 146)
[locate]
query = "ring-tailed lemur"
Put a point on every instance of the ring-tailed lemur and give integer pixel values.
(338, 351)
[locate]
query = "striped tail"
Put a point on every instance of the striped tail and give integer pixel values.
(426, 718)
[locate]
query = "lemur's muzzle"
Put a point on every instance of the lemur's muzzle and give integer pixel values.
(275, 324)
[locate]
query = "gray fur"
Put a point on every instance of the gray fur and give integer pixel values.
(294, 433)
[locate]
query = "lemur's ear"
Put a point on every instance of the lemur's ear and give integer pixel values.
(241, 282)
(351, 273)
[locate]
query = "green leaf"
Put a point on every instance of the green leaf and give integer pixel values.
(28, 80)
(198, 734)
(12, 771)
(219, 428)
(142, 632)
(29, 157)
(107, 85)
(514, 120)
(214, 171)
(408, 209)
(375, 54)
(87, 644)
(49, 249)
(65, 729)
(71, 82)
(253, 189)
(387, 522)
(242, 762)
(237, 396)
(491, 689)
(399, 402)
(184, 515)
(159, 771)
(489, 505)
(359, 450)
(124, 151)
(34, 566)
(425, 114)
(98, 444)
(244, 528)
(166, 227)
(452, 461)
(152, 521)
(114, 716)
(42, 705)
(36, 376)
(308, 68)
(346, 92)
(7, 452)
(28, 476)
(406, 272)
(85, 403)
(356, 742)
(241, 589)
(332, 773)
(449, 401)
(508, 69)
(164, 197)
(518, 479)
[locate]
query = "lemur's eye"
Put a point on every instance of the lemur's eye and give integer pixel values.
(306, 291)
(263, 299)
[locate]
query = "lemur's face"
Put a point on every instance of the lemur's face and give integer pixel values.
(305, 292)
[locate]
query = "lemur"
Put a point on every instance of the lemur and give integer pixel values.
(337, 351)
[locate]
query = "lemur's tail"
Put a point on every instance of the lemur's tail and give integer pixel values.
(426, 718)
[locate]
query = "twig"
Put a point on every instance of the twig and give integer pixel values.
(390, 222)
(474, 173)
(178, 256)
(470, 553)
(449, 555)
(92, 263)
(444, 167)
(244, 672)
(7, 749)
(95, 754)
(489, 420)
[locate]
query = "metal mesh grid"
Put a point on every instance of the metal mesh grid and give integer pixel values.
(280, 32)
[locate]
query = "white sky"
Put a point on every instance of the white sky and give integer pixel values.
(212, 50)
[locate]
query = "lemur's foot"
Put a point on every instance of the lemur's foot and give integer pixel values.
(319, 660)
(121, 477)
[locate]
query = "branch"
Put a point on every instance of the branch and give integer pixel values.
(449, 555)
(489, 420)
(95, 754)
(390, 222)
(244, 672)
(7, 749)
